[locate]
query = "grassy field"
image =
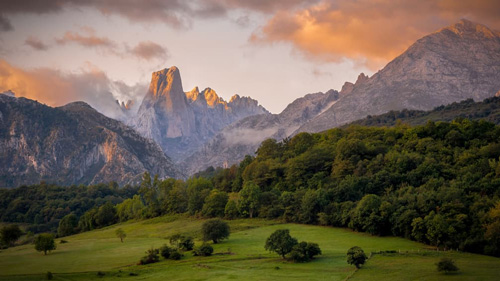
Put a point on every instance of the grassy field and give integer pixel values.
(87, 253)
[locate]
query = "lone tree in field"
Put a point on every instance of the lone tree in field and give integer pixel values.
(280, 242)
(9, 234)
(45, 243)
(356, 256)
(215, 230)
(447, 265)
(120, 233)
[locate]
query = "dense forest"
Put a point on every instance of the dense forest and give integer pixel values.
(42, 206)
(438, 183)
(488, 109)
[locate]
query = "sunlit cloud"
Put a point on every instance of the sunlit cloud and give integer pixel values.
(89, 39)
(35, 43)
(366, 31)
(56, 88)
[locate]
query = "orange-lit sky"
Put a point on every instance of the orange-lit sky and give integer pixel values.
(274, 51)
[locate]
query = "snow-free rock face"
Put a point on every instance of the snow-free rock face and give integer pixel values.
(244, 137)
(181, 122)
(455, 63)
(72, 144)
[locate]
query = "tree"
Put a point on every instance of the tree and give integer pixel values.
(45, 243)
(249, 198)
(120, 233)
(280, 242)
(10, 233)
(356, 256)
(447, 265)
(231, 210)
(197, 190)
(215, 204)
(67, 225)
(304, 251)
(106, 215)
(215, 230)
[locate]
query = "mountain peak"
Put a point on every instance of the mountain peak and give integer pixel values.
(468, 28)
(193, 94)
(235, 97)
(211, 97)
(165, 81)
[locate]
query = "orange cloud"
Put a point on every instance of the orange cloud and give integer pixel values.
(368, 31)
(55, 88)
(89, 40)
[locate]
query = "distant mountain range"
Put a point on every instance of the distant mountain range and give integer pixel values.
(76, 144)
(458, 62)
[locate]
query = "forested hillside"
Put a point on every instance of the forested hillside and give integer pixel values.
(488, 110)
(438, 183)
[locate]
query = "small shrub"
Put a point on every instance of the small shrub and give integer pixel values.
(447, 265)
(186, 243)
(49, 275)
(175, 255)
(133, 274)
(204, 250)
(151, 256)
(165, 251)
(63, 241)
(100, 274)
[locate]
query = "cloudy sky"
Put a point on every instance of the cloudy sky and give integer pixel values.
(58, 51)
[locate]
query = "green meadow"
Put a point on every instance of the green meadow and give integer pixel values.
(241, 257)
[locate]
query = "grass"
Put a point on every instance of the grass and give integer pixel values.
(87, 253)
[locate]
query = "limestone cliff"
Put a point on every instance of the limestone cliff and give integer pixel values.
(73, 144)
(181, 122)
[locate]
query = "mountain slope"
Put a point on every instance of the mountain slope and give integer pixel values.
(72, 144)
(455, 63)
(488, 109)
(182, 122)
(244, 137)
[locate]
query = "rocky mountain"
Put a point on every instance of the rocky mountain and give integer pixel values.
(244, 137)
(455, 63)
(72, 144)
(181, 122)
(458, 62)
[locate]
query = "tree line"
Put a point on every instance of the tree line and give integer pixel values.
(437, 183)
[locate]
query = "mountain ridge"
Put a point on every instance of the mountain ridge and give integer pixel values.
(181, 122)
(72, 144)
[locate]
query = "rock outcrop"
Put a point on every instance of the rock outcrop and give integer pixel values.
(455, 63)
(183, 122)
(72, 144)
(244, 137)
